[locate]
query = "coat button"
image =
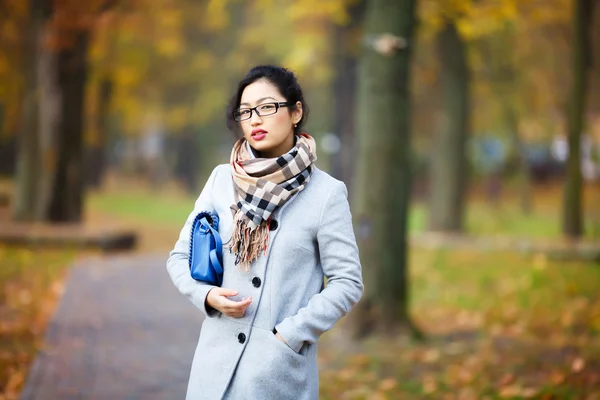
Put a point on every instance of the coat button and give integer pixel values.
(273, 226)
(256, 281)
(241, 338)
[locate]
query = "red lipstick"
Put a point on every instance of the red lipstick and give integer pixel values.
(258, 134)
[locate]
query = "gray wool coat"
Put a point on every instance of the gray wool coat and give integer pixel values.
(311, 238)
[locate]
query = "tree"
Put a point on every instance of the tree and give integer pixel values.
(581, 61)
(383, 180)
(29, 158)
(346, 39)
(449, 158)
(96, 157)
(50, 162)
(66, 201)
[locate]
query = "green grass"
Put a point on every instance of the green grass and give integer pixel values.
(508, 220)
(144, 207)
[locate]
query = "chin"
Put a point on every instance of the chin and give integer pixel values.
(260, 145)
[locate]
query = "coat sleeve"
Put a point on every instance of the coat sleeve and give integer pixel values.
(178, 262)
(341, 265)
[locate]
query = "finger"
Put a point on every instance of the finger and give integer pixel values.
(235, 313)
(278, 336)
(227, 292)
(245, 305)
(231, 305)
(238, 313)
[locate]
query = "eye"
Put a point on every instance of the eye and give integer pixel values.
(242, 112)
(267, 107)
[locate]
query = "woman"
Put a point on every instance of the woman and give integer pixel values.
(286, 225)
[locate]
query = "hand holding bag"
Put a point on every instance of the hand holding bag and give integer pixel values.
(206, 249)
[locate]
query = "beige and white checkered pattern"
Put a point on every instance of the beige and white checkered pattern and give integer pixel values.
(263, 184)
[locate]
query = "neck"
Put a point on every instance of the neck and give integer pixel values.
(279, 150)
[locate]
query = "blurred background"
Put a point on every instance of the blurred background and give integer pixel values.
(112, 116)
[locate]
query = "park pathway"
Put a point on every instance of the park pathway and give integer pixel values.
(121, 331)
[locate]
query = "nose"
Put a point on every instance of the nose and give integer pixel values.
(255, 119)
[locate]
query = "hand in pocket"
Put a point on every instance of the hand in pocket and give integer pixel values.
(278, 336)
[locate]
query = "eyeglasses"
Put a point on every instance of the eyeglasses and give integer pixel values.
(242, 114)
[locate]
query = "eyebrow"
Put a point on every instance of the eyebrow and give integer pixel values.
(259, 101)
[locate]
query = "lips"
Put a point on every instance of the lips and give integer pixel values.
(258, 134)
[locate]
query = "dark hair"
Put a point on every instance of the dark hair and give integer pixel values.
(284, 80)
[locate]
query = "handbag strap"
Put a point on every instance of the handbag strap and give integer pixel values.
(215, 262)
(217, 253)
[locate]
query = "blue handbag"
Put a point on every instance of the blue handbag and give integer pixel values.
(206, 249)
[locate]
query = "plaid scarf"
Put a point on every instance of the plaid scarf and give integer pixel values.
(261, 185)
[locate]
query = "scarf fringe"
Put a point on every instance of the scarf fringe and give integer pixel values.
(247, 243)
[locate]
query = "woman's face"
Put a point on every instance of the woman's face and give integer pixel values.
(270, 135)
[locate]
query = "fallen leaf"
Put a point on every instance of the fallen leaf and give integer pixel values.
(387, 384)
(468, 394)
(506, 379)
(578, 364)
(15, 380)
(529, 392)
(359, 360)
(557, 377)
(431, 355)
(346, 374)
(511, 391)
(429, 385)
(377, 396)
(540, 261)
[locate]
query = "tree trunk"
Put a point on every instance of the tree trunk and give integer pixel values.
(383, 180)
(96, 153)
(8, 147)
(344, 88)
(67, 193)
(28, 144)
(49, 129)
(572, 206)
(49, 166)
(449, 159)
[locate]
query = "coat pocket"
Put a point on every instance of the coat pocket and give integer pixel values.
(286, 347)
(269, 369)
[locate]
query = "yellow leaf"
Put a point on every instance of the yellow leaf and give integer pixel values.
(15, 380)
(177, 117)
(387, 384)
(217, 17)
(431, 355)
(429, 385)
(169, 46)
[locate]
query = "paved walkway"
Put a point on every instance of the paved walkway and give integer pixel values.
(121, 331)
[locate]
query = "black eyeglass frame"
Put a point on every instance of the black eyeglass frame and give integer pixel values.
(255, 109)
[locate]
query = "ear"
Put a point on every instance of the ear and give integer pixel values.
(297, 113)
